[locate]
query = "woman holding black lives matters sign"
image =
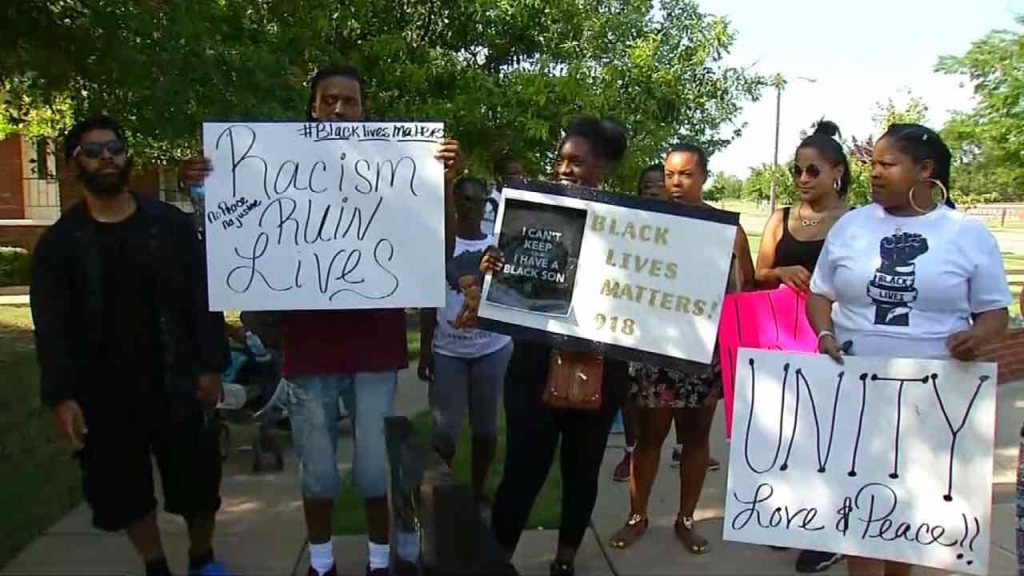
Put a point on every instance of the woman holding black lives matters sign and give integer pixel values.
(908, 276)
(661, 394)
(588, 150)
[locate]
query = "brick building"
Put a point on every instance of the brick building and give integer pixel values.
(35, 188)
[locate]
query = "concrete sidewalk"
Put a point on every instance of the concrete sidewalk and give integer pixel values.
(261, 529)
(14, 295)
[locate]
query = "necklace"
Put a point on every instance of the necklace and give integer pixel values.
(807, 222)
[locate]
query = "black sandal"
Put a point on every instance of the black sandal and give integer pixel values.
(694, 542)
(635, 527)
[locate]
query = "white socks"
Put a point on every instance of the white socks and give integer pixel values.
(321, 557)
(379, 554)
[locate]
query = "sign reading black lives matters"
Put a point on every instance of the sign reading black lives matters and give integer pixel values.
(311, 216)
(636, 278)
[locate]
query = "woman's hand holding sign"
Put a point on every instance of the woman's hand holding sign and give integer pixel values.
(492, 262)
(796, 277)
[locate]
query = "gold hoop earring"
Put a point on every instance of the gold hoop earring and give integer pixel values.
(836, 185)
(945, 195)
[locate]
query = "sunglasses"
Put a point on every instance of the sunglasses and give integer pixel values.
(812, 170)
(95, 150)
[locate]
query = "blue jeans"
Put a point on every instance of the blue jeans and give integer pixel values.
(313, 409)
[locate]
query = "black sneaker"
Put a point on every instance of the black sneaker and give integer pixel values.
(812, 561)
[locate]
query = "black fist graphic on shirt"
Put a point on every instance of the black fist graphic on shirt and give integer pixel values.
(892, 287)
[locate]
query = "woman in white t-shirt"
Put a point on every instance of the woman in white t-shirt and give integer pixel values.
(907, 275)
(465, 366)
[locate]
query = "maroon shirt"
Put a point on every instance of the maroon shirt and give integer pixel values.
(343, 342)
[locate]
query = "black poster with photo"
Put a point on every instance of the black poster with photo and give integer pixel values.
(541, 244)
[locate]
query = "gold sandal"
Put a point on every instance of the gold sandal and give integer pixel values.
(635, 527)
(694, 542)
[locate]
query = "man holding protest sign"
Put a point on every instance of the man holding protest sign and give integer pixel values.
(350, 354)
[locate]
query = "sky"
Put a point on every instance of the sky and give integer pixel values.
(858, 53)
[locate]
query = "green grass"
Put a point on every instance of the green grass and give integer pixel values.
(1014, 264)
(1013, 261)
(39, 482)
(348, 509)
(412, 337)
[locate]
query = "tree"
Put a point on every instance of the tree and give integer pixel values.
(757, 186)
(502, 75)
(724, 186)
(860, 151)
(986, 142)
(889, 113)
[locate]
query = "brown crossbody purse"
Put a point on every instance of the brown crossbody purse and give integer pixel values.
(574, 380)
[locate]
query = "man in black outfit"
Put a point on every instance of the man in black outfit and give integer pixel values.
(130, 356)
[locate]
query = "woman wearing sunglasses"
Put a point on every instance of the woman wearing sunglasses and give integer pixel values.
(793, 236)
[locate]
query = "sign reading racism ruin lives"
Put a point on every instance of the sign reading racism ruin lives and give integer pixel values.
(636, 278)
(324, 215)
(880, 458)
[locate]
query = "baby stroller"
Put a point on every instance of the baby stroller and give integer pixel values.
(253, 380)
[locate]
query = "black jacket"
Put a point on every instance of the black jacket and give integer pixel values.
(68, 312)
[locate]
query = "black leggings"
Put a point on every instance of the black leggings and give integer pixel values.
(533, 432)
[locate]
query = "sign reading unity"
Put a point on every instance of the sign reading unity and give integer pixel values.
(309, 216)
(631, 277)
(765, 320)
(880, 458)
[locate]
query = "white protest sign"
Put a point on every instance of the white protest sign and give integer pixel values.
(879, 458)
(311, 216)
(596, 270)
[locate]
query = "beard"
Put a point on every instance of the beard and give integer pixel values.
(107, 184)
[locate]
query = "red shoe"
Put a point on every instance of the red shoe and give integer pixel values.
(621, 473)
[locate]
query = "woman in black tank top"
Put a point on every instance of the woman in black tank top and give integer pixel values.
(794, 236)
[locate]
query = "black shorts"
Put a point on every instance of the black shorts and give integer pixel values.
(117, 464)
